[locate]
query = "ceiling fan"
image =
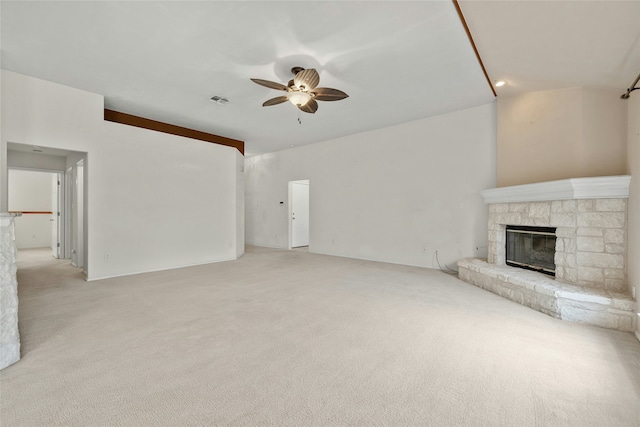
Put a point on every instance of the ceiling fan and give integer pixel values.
(302, 91)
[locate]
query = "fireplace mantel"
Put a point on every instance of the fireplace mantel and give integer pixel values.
(601, 187)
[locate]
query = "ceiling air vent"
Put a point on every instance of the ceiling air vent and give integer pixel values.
(219, 100)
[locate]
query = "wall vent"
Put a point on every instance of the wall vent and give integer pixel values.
(219, 100)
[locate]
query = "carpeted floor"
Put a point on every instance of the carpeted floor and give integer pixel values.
(289, 338)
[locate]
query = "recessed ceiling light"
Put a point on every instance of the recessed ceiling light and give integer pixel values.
(500, 83)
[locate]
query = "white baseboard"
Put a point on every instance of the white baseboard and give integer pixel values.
(213, 261)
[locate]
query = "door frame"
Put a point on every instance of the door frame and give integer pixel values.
(72, 157)
(68, 223)
(58, 216)
(78, 207)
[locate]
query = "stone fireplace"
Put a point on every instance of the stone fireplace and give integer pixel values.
(9, 334)
(589, 216)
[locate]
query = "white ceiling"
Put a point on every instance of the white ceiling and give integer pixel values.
(541, 45)
(398, 61)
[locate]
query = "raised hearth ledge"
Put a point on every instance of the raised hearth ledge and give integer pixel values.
(600, 187)
(575, 303)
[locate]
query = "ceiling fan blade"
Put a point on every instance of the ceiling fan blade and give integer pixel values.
(270, 85)
(275, 101)
(309, 107)
(307, 78)
(328, 94)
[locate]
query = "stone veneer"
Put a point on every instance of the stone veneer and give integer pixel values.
(590, 218)
(9, 337)
(591, 242)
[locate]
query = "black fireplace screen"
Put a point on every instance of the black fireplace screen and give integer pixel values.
(533, 248)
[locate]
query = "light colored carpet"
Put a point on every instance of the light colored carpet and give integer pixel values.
(288, 338)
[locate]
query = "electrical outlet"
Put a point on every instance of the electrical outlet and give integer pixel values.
(107, 256)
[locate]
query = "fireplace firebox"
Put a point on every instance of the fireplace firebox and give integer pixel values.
(531, 248)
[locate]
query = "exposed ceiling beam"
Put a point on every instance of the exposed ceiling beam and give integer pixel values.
(141, 122)
(473, 45)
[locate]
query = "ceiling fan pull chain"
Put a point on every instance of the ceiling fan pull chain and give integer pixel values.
(299, 118)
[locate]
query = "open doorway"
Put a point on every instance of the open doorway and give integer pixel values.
(299, 214)
(56, 203)
(34, 194)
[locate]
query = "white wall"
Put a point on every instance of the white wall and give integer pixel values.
(239, 204)
(396, 194)
(633, 255)
(559, 134)
(21, 159)
(154, 201)
(31, 191)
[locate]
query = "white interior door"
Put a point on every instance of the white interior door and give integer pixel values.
(299, 213)
(55, 218)
(80, 214)
(68, 213)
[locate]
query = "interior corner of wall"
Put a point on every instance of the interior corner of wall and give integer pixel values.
(240, 250)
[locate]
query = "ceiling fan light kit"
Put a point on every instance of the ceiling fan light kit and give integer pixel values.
(302, 90)
(299, 98)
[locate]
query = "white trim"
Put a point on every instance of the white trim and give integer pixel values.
(21, 168)
(605, 187)
(637, 334)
